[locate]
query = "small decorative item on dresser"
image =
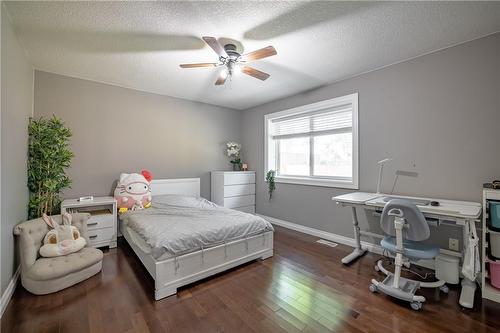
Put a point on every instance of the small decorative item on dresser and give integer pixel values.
(244, 167)
(102, 224)
(494, 185)
(233, 150)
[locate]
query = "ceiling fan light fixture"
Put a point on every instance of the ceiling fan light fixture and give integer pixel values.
(237, 69)
(232, 62)
(224, 73)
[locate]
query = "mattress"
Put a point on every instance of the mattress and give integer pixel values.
(176, 225)
(142, 245)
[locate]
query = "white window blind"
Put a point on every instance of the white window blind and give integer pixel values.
(328, 121)
(315, 144)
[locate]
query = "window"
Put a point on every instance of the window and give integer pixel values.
(315, 144)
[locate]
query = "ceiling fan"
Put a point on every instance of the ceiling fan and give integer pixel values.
(233, 61)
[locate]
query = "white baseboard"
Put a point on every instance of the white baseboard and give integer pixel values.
(374, 248)
(7, 294)
(323, 234)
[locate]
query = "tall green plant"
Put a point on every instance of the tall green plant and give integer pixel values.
(271, 185)
(49, 156)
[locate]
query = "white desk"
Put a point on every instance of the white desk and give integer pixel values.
(451, 211)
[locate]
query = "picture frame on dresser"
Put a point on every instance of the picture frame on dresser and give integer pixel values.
(102, 224)
(234, 189)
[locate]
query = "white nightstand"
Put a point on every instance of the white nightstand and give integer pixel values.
(102, 227)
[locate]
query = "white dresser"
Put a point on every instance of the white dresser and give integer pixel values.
(234, 189)
(101, 226)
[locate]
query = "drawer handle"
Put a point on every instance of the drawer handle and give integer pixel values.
(91, 224)
(92, 237)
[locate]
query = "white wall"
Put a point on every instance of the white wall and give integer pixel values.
(16, 108)
(438, 115)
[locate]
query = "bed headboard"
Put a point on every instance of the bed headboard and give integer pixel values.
(181, 186)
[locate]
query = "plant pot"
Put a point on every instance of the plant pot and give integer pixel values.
(236, 167)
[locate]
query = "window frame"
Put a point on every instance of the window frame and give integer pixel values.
(325, 181)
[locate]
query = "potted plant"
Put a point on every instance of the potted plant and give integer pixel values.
(49, 156)
(233, 151)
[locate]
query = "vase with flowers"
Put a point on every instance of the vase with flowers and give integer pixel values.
(233, 151)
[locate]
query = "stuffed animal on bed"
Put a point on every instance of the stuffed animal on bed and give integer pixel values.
(133, 191)
(61, 239)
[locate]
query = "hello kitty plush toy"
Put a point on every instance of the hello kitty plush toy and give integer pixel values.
(133, 191)
(61, 239)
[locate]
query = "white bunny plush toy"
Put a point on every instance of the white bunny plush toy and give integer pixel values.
(61, 239)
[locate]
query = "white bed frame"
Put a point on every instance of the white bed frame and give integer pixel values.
(172, 273)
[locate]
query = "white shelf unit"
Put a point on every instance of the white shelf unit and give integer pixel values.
(234, 189)
(102, 225)
(487, 290)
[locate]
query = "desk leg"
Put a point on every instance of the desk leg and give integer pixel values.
(468, 286)
(467, 293)
(358, 250)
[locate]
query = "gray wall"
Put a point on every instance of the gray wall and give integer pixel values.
(16, 108)
(438, 115)
(122, 130)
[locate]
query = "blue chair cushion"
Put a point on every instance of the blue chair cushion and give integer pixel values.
(414, 250)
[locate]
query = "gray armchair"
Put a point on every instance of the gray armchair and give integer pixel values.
(47, 275)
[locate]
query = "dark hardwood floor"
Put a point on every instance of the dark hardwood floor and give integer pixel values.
(303, 288)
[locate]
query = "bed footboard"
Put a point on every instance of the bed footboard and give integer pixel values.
(176, 272)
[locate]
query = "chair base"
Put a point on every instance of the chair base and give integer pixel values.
(406, 287)
(405, 291)
(40, 287)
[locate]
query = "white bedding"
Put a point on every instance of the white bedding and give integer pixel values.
(176, 225)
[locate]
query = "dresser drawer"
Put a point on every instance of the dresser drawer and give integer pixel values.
(100, 221)
(241, 201)
(246, 209)
(101, 235)
(239, 178)
(235, 190)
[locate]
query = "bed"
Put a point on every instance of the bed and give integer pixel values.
(174, 256)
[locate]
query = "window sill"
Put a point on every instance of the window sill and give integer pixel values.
(317, 182)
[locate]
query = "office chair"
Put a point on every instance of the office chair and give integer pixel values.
(406, 228)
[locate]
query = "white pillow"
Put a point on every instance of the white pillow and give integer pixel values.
(183, 201)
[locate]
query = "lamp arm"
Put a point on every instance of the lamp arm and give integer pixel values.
(380, 169)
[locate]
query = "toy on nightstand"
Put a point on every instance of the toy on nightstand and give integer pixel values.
(133, 191)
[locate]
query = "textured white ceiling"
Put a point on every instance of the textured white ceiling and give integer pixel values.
(140, 44)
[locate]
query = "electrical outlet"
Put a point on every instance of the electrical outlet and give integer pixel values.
(453, 244)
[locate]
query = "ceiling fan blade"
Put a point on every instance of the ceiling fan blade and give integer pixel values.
(203, 64)
(259, 54)
(215, 45)
(255, 73)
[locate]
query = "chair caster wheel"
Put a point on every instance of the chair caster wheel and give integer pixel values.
(444, 288)
(416, 305)
(377, 269)
(373, 288)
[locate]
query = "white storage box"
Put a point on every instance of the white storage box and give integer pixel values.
(447, 268)
(495, 244)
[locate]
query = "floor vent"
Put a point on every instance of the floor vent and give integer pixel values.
(325, 242)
